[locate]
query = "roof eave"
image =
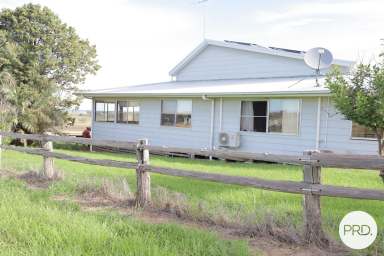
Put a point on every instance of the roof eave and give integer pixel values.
(218, 94)
(189, 57)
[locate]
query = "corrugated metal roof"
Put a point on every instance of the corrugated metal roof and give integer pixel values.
(230, 87)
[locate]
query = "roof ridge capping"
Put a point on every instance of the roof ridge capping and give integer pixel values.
(277, 51)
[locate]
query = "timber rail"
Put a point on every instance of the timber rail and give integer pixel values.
(311, 187)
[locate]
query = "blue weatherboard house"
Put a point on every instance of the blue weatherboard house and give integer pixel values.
(234, 95)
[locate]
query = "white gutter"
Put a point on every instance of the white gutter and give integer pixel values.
(318, 123)
(218, 94)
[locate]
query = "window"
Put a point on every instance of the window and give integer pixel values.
(273, 116)
(128, 112)
(176, 113)
(360, 131)
(105, 111)
(254, 116)
(283, 116)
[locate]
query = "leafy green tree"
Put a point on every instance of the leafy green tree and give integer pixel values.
(48, 62)
(360, 97)
(7, 85)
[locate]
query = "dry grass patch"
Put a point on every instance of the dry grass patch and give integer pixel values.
(107, 192)
(269, 227)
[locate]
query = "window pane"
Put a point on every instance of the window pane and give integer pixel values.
(360, 131)
(111, 112)
(184, 106)
(136, 114)
(130, 114)
(183, 120)
(253, 124)
(254, 108)
(100, 114)
(122, 112)
(168, 119)
(169, 106)
(283, 116)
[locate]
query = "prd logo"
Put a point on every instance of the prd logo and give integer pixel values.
(358, 230)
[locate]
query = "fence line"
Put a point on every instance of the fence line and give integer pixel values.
(281, 186)
(311, 187)
(369, 162)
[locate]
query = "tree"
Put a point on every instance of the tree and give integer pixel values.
(48, 63)
(7, 85)
(359, 96)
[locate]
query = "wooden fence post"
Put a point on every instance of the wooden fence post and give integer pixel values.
(1, 157)
(313, 232)
(48, 165)
(143, 195)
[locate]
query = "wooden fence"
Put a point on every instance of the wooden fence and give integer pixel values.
(311, 187)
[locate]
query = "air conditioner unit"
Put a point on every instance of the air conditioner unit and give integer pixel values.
(229, 139)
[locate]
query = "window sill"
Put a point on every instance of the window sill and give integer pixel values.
(122, 123)
(109, 122)
(362, 138)
(175, 127)
(268, 134)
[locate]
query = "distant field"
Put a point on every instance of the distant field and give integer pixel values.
(82, 120)
(232, 203)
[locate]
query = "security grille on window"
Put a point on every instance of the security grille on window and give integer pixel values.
(128, 112)
(176, 113)
(273, 116)
(105, 111)
(360, 131)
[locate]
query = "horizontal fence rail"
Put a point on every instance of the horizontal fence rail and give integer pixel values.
(278, 185)
(311, 187)
(70, 139)
(83, 160)
(369, 162)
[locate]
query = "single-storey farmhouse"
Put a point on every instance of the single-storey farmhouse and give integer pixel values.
(235, 95)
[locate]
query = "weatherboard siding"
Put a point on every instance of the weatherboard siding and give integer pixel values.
(149, 127)
(272, 142)
(217, 62)
(335, 132)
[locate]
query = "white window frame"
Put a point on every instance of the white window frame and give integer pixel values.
(105, 102)
(267, 117)
(360, 138)
(127, 101)
(174, 126)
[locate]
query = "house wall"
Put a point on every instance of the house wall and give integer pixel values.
(149, 127)
(335, 133)
(272, 142)
(217, 62)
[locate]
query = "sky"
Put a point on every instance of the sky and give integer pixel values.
(140, 41)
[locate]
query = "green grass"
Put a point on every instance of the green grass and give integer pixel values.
(30, 224)
(248, 203)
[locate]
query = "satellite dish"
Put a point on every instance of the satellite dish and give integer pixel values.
(318, 58)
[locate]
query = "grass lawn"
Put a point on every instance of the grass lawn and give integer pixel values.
(236, 202)
(30, 224)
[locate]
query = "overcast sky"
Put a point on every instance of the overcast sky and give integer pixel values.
(140, 41)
